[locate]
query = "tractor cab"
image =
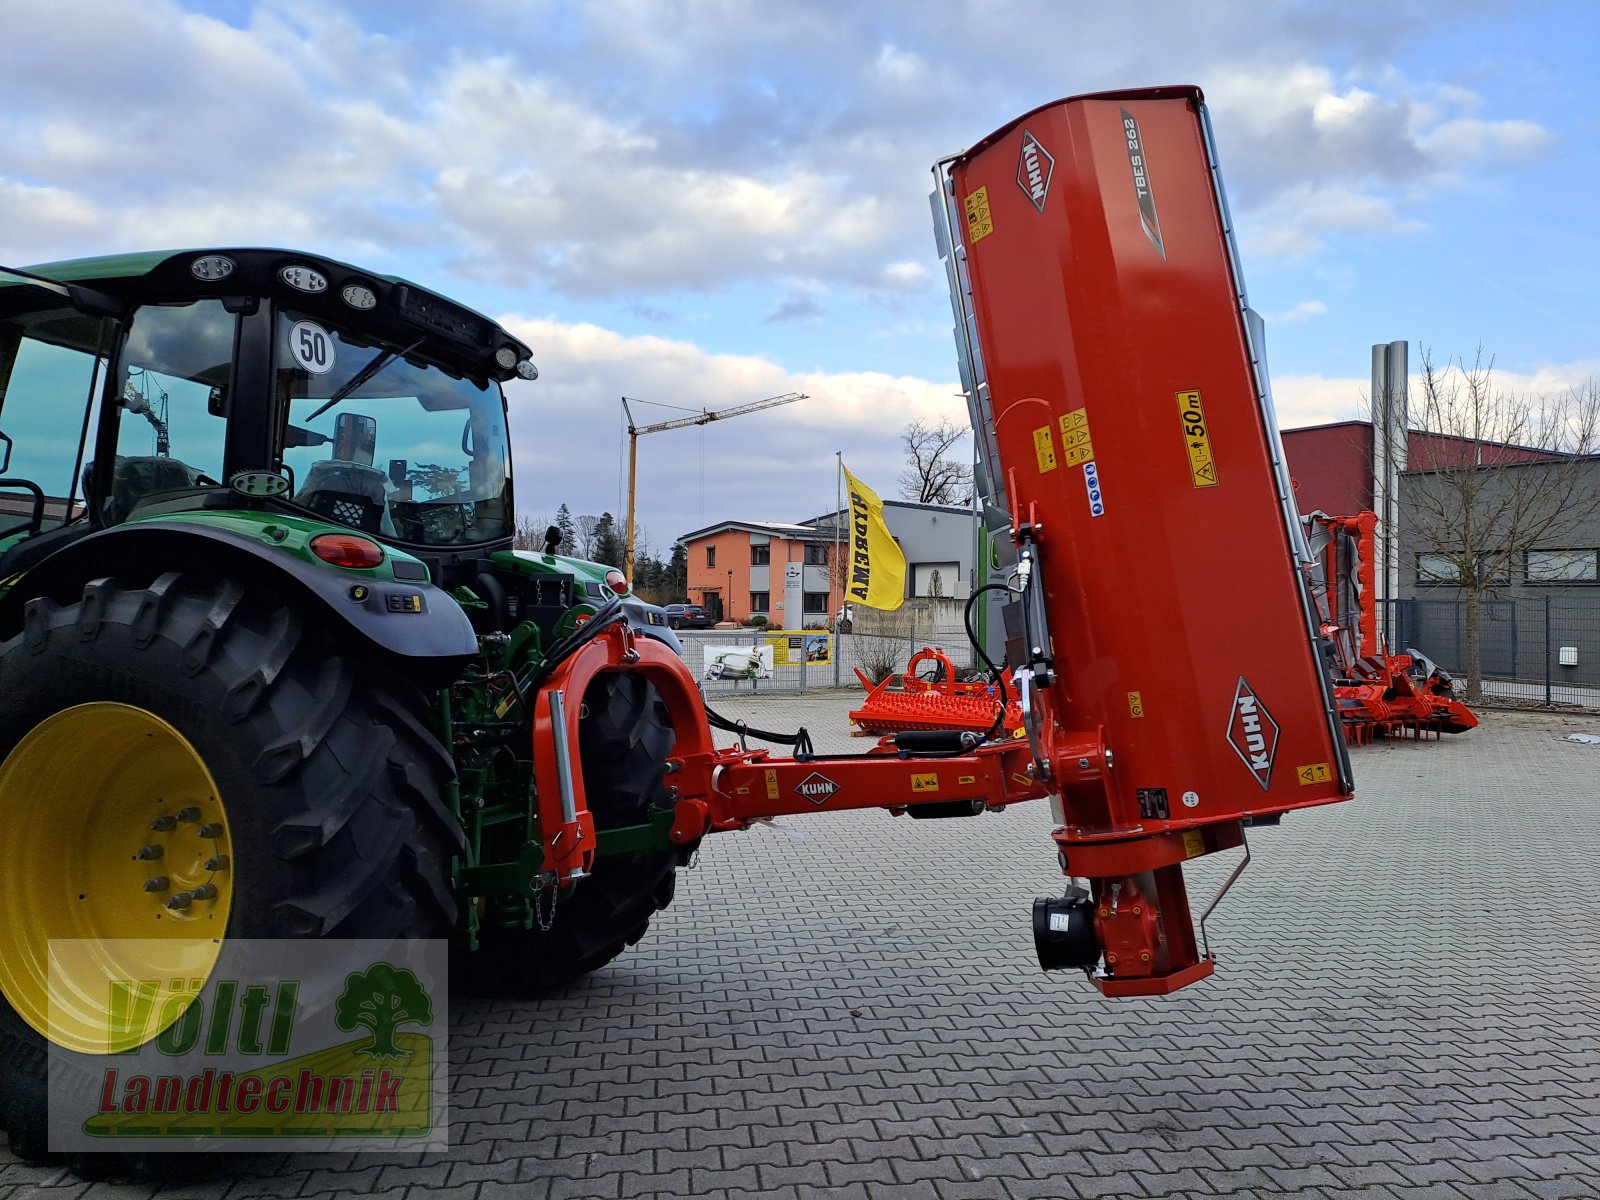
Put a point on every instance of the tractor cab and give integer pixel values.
(140, 387)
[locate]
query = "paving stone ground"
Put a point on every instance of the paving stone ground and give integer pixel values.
(1407, 1003)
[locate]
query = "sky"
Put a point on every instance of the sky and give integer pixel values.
(700, 203)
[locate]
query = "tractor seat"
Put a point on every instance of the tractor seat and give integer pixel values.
(136, 477)
(351, 493)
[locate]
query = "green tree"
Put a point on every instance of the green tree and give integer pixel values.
(569, 531)
(382, 998)
(435, 480)
(610, 547)
(678, 572)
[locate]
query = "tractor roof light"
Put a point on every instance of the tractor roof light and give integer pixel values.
(617, 581)
(359, 296)
(347, 550)
(211, 267)
(526, 370)
(304, 279)
(505, 358)
(259, 483)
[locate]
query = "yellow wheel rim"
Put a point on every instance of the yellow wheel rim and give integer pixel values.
(115, 872)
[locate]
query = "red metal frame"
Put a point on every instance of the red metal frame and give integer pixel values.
(1379, 694)
(907, 701)
(1171, 682)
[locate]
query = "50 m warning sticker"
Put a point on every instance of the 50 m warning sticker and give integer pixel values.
(1197, 440)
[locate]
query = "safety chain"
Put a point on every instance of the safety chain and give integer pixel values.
(545, 916)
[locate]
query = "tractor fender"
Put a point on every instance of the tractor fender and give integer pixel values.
(650, 620)
(415, 621)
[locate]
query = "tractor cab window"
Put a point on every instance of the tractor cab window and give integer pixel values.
(171, 424)
(51, 371)
(390, 444)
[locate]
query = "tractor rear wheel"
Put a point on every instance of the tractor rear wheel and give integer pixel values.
(625, 737)
(181, 740)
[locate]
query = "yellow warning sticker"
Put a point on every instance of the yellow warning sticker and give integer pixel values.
(966, 779)
(925, 783)
(1075, 437)
(1314, 773)
(1135, 705)
(1197, 440)
(1021, 780)
(1045, 447)
(980, 223)
(1193, 844)
(772, 784)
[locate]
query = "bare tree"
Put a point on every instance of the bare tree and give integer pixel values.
(936, 473)
(588, 531)
(1491, 475)
(529, 533)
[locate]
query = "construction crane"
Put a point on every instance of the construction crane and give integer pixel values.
(635, 432)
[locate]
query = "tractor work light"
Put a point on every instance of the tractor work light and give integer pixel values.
(526, 370)
(617, 581)
(211, 267)
(505, 358)
(347, 550)
(359, 296)
(304, 279)
(259, 483)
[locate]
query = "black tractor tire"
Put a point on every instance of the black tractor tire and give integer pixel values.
(625, 735)
(328, 768)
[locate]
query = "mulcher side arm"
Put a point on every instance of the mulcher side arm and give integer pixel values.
(1166, 651)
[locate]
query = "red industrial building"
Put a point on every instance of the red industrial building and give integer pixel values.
(1332, 465)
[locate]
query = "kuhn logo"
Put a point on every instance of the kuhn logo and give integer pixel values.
(1035, 166)
(1253, 733)
(817, 788)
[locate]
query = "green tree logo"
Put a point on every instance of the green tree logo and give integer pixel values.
(382, 998)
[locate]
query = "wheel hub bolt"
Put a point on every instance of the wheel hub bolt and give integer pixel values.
(211, 830)
(147, 853)
(163, 824)
(181, 900)
(205, 891)
(217, 862)
(159, 884)
(187, 814)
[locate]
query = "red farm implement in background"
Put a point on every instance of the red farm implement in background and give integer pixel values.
(1379, 694)
(913, 700)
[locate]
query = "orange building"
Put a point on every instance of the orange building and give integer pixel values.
(738, 569)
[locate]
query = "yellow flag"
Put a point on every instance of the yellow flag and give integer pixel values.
(874, 566)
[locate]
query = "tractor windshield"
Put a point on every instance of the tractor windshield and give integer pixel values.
(389, 444)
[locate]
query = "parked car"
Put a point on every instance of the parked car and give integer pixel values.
(688, 616)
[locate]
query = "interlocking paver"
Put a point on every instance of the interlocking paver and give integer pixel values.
(857, 1015)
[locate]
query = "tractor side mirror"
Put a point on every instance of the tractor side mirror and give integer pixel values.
(552, 539)
(355, 438)
(5, 457)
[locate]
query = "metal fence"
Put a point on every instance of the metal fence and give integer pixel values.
(756, 660)
(1544, 650)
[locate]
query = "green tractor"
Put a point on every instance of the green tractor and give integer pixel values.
(267, 653)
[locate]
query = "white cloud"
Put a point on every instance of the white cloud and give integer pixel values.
(1301, 312)
(1316, 399)
(632, 146)
(775, 465)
